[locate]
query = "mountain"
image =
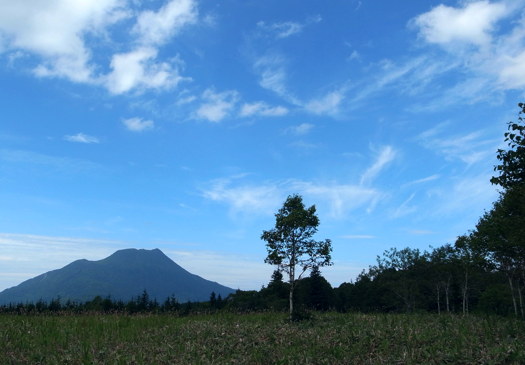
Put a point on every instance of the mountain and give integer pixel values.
(123, 275)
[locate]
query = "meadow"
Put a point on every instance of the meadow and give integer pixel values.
(261, 338)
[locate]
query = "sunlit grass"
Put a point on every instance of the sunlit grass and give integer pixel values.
(263, 338)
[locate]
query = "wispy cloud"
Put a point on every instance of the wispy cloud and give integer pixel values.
(283, 29)
(286, 29)
(262, 109)
(217, 105)
(328, 104)
(157, 27)
(405, 208)
(81, 138)
(470, 148)
(385, 156)
(471, 193)
(423, 180)
(258, 199)
(138, 124)
(272, 74)
(341, 199)
(491, 58)
(264, 198)
(301, 129)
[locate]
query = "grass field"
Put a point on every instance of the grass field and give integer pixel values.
(261, 338)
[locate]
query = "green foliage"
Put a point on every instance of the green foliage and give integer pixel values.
(315, 292)
(291, 246)
(290, 243)
(512, 161)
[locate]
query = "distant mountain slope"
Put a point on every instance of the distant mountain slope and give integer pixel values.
(123, 275)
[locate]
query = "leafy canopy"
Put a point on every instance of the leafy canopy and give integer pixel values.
(290, 243)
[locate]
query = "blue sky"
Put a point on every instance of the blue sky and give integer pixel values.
(185, 124)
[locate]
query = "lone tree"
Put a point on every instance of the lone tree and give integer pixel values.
(290, 244)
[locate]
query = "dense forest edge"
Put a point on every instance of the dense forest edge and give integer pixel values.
(483, 271)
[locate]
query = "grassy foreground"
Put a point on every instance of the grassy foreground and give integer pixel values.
(262, 338)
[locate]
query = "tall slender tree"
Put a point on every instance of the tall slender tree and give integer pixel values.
(291, 246)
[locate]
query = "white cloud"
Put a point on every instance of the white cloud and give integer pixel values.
(470, 148)
(81, 138)
(405, 208)
(423, 180)
(340, 199)
(301, 129)
(55, 30)
(472, 24)
(138, 69)
(474, 192)
(491, 58)
(138, 124)
(217, 106)
(386, 156)
(262, 109)
(247, 198)
(512, 75)
(337, 200)
(287, 29)
(155, 28)
(272, 74)
(328, 104)
(283, 29)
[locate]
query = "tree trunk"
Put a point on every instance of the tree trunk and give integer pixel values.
(291, 300)
(513, 295)
(520, 298)
(519, 290)
(465, 292)
(447, 287)
(438, 298)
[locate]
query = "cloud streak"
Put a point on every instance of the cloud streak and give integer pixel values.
(385, 156)
(81, 138)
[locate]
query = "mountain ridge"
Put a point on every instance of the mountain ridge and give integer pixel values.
(121, 276)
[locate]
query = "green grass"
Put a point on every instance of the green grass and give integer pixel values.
(263, 338)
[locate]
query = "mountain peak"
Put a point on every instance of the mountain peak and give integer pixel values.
(122, 275)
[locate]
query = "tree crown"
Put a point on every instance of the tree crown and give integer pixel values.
(290, 243)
